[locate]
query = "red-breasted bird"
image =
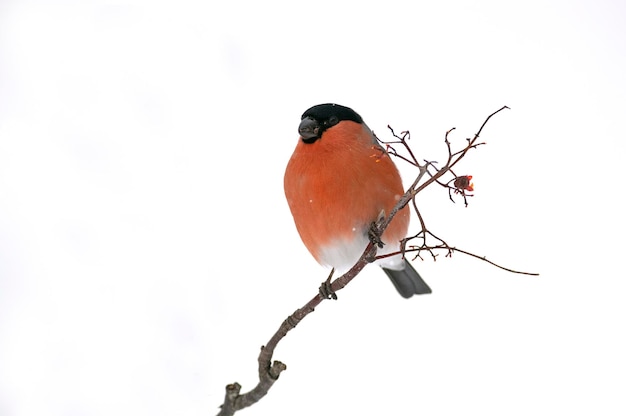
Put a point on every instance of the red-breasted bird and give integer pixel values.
(339, 181)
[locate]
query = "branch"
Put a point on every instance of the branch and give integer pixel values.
(491, 262)
(444, 246)
(268, 371)
(268, 374)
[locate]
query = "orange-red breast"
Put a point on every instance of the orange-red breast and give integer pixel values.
(338, 181)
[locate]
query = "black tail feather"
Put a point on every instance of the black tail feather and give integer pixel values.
(408, 282)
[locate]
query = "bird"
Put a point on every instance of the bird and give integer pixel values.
(338, 182)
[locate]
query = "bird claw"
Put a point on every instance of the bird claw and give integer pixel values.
(374, 235)
(326, 289)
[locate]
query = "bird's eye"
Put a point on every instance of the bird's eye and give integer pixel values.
(333, 120)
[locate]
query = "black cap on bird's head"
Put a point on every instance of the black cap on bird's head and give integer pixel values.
(318, 118)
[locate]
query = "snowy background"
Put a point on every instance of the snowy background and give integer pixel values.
(147, 251)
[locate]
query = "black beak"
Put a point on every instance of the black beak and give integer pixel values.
(309, 130)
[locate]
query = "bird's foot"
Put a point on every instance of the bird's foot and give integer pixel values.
(326, 289)
(374, 233)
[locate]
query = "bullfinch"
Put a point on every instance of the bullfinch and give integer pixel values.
(339, 181)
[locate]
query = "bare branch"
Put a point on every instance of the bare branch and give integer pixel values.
(268, 371)
(268, 374)
(444, 246)
(483, 258)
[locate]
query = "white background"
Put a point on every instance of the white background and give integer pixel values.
(147, 251)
